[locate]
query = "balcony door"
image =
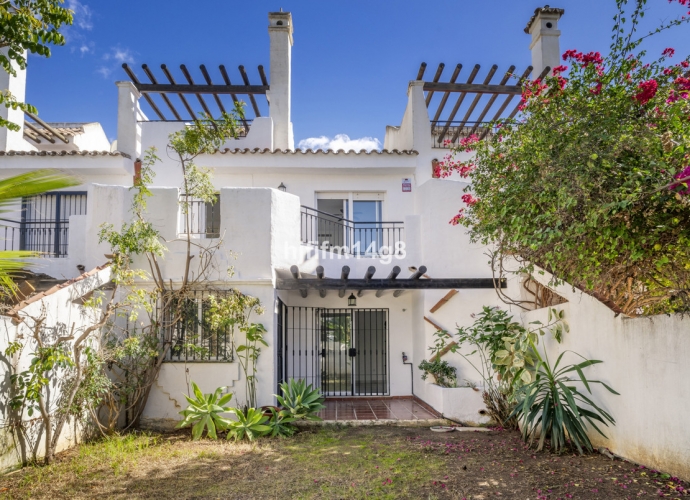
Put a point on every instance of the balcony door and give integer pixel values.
(351, 220)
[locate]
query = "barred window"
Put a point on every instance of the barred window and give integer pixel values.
(193, 338)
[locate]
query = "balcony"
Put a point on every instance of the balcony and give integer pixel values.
(448, 134)
(342, 236)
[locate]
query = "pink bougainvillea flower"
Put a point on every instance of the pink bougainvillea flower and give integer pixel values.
(596, 90)
(682, 82)
(647, 92)
(559, 69)
(469, 199)
(456, 220)
(668, 52)
(683, 174)
(685, 64)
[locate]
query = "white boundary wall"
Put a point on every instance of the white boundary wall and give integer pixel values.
(646, 361)
(62, 309)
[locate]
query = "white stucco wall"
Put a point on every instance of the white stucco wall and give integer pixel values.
(62, 311)
(646, 361)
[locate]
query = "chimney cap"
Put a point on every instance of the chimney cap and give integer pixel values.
(543, 10)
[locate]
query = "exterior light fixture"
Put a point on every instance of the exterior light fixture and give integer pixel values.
(282, 187)
(352, 300)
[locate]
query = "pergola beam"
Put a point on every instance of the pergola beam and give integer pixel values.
(473, 88)
(387, 284)
(393, 274)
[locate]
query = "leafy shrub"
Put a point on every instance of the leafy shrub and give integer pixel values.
(204, 412)
(592, 181)
(551, 406)
(299, 400)
(250, 424)
(444, 374)
(280, 423)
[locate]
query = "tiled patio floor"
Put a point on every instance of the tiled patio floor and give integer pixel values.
(376, 409)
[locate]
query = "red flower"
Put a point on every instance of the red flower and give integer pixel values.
(668, 52)
(596, 90)
(469, 199)
(572, 54)
(468, 141)
(685, 64)
(683, 83)
(559, 69)
(592, 58)
(456, 220)
(647, 91)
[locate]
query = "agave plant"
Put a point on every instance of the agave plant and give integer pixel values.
(204, 412)
(550, 406)
(250, 424)
(280, 423)
(299, 400)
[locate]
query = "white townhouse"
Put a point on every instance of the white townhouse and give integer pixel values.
(351, 252)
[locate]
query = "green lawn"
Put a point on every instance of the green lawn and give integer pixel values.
(362, 462)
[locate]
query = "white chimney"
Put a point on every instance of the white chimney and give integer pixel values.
(280, 33)
(545, 47)
(16, 85)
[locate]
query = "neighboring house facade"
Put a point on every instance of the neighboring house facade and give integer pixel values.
(350, 252)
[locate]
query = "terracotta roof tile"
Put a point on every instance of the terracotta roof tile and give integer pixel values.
(543, 10)
(64, 153)
(314, 151)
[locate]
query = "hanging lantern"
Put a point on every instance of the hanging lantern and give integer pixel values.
(352, 300)
(282, 187)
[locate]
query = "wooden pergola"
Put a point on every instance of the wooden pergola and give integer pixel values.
(168, 87)
(478, 103)
(418, 280)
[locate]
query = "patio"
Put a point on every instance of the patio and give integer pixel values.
(378, 409)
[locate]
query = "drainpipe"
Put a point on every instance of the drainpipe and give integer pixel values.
(404, 359)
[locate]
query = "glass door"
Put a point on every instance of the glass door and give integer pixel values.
(332, 223)
(336, 352)
(366, 216)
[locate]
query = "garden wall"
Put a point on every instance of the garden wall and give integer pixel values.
(646, 361)
(63, 310)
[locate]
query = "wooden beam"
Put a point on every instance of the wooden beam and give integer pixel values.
(297, 275)
(148, 99)
(435, 325)
(492, 100)
(175, 88)
(393, 274)
(443, 301)
(320, 275)
(507, 101)
(418, 273)
(245, 78)
(369, 274)
(444, 99)
(207, 77)
(322, 293)
(458, 103)
(386, 284)
(47, 127)
(165, 98)
(437, 76)
(473, 88)
(226, 79)
(39, 132)
(420, 73)
(170, 78)
(398, 293)
(476, 100)
(443, 351)
(343, 277)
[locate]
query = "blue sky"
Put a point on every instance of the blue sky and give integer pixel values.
(352, 59)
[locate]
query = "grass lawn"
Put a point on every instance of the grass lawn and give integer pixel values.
(361, 462)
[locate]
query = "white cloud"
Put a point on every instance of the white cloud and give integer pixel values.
(104, 71)
(82, 14)
(122, 55)
(340, 141)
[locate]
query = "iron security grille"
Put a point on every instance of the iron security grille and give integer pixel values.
(44, 223)
(201, 218)
(344, 352)
(192, 337)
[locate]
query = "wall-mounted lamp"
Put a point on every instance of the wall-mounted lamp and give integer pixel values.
(352, 300)
(282, 187)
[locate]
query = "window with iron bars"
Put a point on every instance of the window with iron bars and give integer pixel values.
(187, 322)
(202, 217)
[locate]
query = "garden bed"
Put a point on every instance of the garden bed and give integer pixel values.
(333, 462)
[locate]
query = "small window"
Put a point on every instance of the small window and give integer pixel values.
(202, 218)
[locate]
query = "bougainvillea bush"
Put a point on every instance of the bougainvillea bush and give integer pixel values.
(591, 181)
